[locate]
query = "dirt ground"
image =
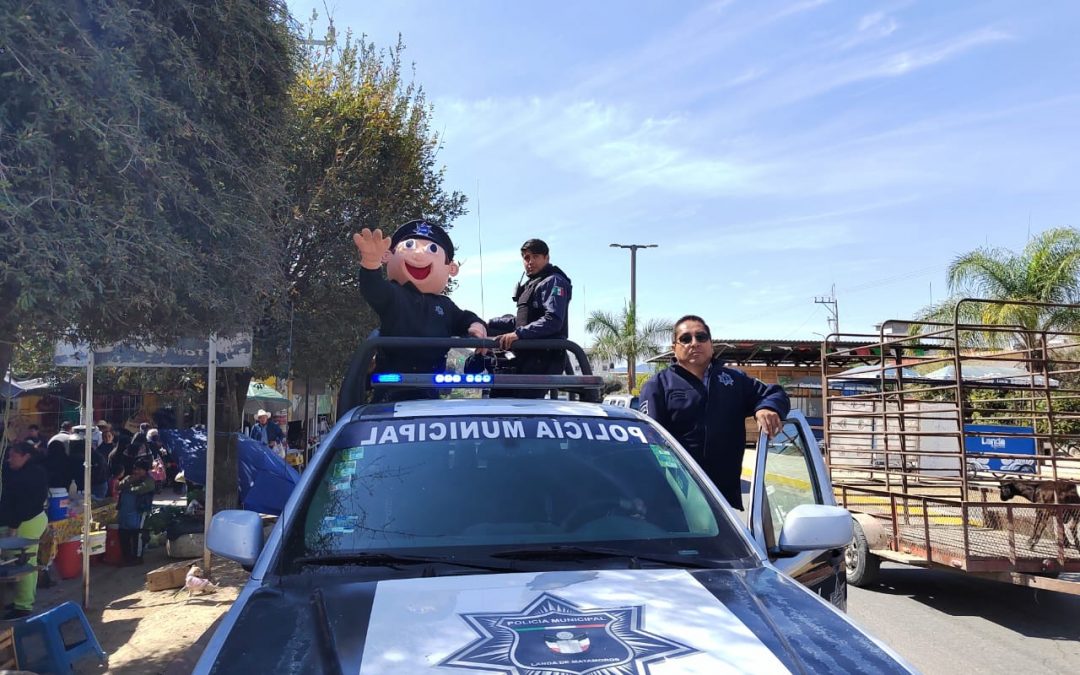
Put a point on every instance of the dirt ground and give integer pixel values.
(146, 632)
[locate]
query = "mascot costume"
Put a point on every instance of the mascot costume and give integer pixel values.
(419, 260)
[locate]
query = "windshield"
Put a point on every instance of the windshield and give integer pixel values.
(463, 484)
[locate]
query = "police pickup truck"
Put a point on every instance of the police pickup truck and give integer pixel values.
(538, 537)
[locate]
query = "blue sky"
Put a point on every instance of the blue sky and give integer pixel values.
(771, 149)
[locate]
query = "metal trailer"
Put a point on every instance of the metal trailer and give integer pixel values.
(923, 428)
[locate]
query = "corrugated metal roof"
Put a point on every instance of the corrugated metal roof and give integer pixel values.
(757, 350)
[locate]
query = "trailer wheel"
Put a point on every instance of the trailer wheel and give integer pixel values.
(863, 567)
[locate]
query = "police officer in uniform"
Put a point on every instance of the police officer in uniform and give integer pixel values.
(419, 259)
(704, 405)
(543, 303)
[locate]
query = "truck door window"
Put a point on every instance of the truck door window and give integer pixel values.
(789, 479)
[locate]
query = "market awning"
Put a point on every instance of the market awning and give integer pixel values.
(261, 395)
(10, 388)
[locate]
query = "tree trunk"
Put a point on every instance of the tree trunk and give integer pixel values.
(6, 349)
(8, 325)
(232, 394)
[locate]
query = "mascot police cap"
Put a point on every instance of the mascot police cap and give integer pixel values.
(422, 229)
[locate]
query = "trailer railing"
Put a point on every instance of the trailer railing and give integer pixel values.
(923, 427)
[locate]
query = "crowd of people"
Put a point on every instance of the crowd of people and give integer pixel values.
(113, 456)
(129, 470)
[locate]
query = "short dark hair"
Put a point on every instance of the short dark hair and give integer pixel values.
(536, 246)
(684, 319)
(33, 427)
(65, 425)
(143, 464)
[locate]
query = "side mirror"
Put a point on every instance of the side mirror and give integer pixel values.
(236, 535)
(815, 527)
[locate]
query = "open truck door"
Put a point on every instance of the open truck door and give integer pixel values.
(790, 472)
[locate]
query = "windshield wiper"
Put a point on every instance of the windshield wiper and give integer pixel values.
(566, 552)
(394, 560)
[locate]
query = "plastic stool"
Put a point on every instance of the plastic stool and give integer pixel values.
(40, 643)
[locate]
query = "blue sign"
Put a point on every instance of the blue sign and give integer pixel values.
(998, 439)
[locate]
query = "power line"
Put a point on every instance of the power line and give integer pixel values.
(795, 330)
(920, 271)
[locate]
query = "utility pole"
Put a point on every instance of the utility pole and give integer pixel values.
(830, 304)
(631, 375)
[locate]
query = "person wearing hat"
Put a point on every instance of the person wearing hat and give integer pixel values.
(409, 302)
(22, 510)
(543, 306)
(266, 431)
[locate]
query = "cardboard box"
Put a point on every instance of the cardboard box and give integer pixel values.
(169, 576)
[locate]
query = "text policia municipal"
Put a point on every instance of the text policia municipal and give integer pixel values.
(410, 432)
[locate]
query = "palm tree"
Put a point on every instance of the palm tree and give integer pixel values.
(620, 337)
(1047, 270)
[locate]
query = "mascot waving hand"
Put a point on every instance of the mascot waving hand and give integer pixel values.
(419, 260)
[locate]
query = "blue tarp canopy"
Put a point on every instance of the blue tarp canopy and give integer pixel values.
(265, 480)
(10, 388)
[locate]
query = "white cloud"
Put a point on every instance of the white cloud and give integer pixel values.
(816, 71)
(600, 141)
(907, 61)
(744, 239)
(878, 23)
(747, 76)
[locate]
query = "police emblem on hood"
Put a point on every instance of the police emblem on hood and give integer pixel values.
(553, 636)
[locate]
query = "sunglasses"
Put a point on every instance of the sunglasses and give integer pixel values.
(687, 338)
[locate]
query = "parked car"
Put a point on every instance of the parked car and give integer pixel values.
(622, 401)
(538, 536)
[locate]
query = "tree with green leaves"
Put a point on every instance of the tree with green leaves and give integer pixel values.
(619, 337)
(141, 172)
(361, 155)
(1047, 270)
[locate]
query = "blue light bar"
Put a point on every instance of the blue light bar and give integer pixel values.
(485, 380)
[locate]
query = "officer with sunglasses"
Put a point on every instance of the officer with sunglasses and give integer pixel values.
(704, 405)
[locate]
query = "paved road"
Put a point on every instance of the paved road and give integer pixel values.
(946, 623)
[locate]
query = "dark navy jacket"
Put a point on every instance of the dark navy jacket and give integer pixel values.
(542, 313)
(406, 312)
(548, 302)
(708, 417)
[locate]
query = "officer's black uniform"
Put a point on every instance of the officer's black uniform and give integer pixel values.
(708, 416)
(406, 312)
(543, 305)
